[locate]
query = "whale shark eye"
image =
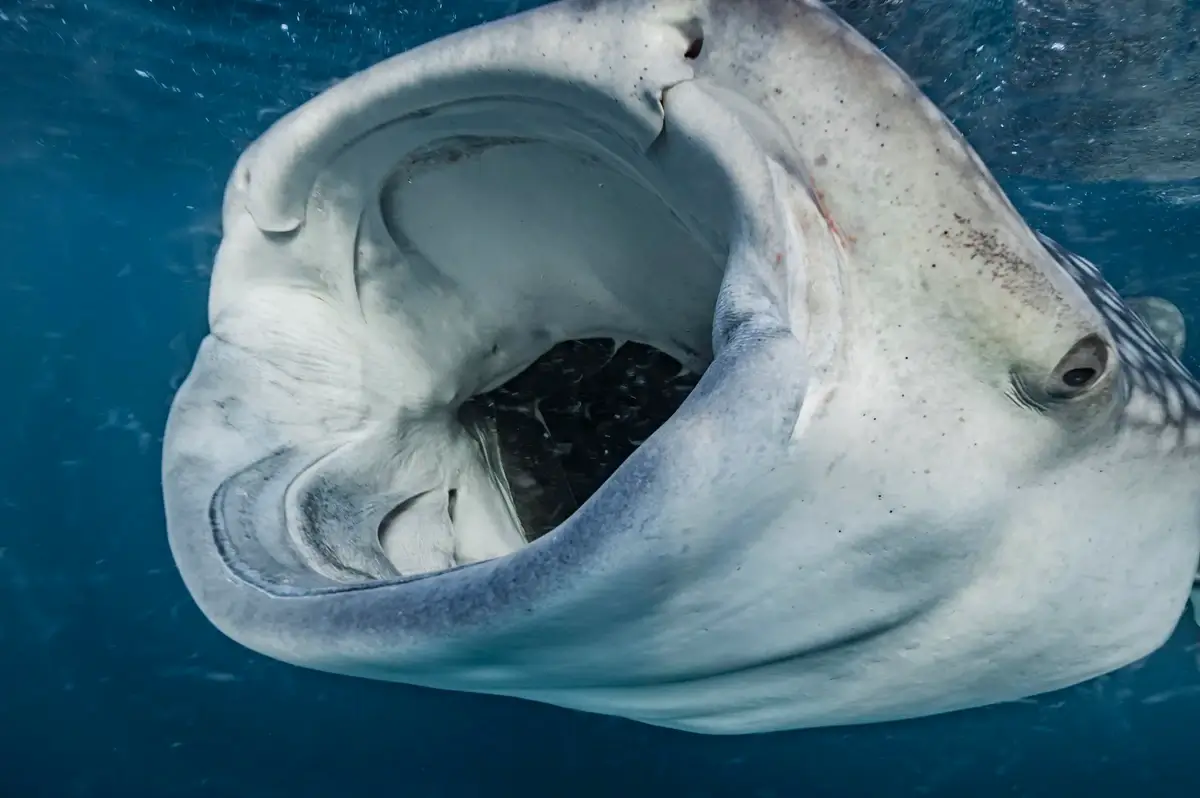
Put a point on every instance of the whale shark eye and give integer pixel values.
(1079, 377)
(1080, 369)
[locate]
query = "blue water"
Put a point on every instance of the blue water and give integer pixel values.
(119, 121)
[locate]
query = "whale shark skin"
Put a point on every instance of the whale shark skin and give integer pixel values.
(926, 460)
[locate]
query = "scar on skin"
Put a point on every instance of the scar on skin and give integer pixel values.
(819, 198)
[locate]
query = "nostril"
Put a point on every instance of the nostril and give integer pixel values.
(693, 32)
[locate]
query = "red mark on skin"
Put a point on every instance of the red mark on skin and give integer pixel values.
(819, 198)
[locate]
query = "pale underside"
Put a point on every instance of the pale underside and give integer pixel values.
(862, 511)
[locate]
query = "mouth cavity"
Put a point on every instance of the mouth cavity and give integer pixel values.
(535, 308)
(562, 427)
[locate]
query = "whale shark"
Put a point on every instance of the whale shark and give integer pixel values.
(677, 361)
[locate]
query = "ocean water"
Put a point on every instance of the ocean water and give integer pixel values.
(119, 122)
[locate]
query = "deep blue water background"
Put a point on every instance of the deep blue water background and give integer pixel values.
(119, 121)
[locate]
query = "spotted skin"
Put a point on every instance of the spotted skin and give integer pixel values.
(1162, 394)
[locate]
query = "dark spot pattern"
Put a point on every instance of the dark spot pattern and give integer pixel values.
(1163, 394)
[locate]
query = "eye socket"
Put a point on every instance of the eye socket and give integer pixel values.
(1079, 377)
(1080, 369)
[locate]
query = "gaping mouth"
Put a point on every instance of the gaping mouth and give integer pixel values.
(453, 300)
(526, 296)
(551, 259)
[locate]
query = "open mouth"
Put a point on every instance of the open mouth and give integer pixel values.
(458, 318)
(650, 358)
(530, 304)
(547, 296)
(504, 363)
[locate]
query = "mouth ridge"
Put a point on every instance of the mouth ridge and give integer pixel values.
(509, 232)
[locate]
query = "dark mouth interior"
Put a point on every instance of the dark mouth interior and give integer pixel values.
(567, 422)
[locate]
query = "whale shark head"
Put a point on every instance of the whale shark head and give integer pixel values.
(678, 361)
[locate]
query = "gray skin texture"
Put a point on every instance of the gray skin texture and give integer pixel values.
(933, 462)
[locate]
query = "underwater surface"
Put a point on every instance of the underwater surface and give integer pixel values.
(121, 121)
